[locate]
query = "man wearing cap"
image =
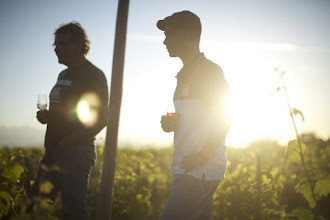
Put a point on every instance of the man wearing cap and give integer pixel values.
(199, 124)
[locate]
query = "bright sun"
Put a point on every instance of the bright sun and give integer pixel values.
(254, 117)
(256, 111)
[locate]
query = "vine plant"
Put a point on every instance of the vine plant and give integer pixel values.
(293, 112)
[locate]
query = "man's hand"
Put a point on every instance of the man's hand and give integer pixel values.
(192, 161)
(169, 123)
(42, 116)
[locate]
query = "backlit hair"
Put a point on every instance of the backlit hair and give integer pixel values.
(78, 33)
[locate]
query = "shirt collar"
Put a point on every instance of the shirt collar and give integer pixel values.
(195, 60)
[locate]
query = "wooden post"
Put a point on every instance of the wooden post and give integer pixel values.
(259, 215)
(110, 149)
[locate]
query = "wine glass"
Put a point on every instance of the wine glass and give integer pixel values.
(171, 109)
(42, 102)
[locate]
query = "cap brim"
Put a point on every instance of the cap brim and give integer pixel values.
(161, 25)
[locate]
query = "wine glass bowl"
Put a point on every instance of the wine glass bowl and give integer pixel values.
(42, 102)
(171, 110)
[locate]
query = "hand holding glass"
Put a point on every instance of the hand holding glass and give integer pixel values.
(42, 102)
(171, 109)
(169, 122)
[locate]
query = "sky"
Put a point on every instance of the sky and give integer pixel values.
(248, 39)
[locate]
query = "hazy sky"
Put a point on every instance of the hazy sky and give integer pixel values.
(247, 39)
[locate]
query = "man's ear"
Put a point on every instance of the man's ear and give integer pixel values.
(79, 45)
(192, 37)
(188, 36)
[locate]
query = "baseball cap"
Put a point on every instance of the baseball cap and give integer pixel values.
(184, 19)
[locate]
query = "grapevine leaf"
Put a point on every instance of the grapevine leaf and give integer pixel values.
(303, 214)
(46, 187)
(4, 203)
(13, 172)
(322, 187)
(298, 112)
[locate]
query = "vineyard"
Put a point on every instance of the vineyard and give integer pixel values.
(263, 181)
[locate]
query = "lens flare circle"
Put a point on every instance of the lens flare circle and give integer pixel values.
(87, 109)
(83, 111)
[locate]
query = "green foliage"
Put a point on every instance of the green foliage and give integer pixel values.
(4, 203)
(13, 172)
(302, 214)
(46, 187)
(143, 181)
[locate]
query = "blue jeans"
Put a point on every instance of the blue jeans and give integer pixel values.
(71, 180)
(190, 198)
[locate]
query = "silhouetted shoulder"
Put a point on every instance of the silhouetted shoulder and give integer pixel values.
(97, 81)
(92, 69)
(60, 76)
(212, 70)
(211, 74)
(213, 85)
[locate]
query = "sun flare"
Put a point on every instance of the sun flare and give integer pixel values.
(87, 109)
(256, 111)
(83, 111)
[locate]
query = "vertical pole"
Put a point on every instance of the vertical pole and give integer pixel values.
(259, 183)
(110, 150)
